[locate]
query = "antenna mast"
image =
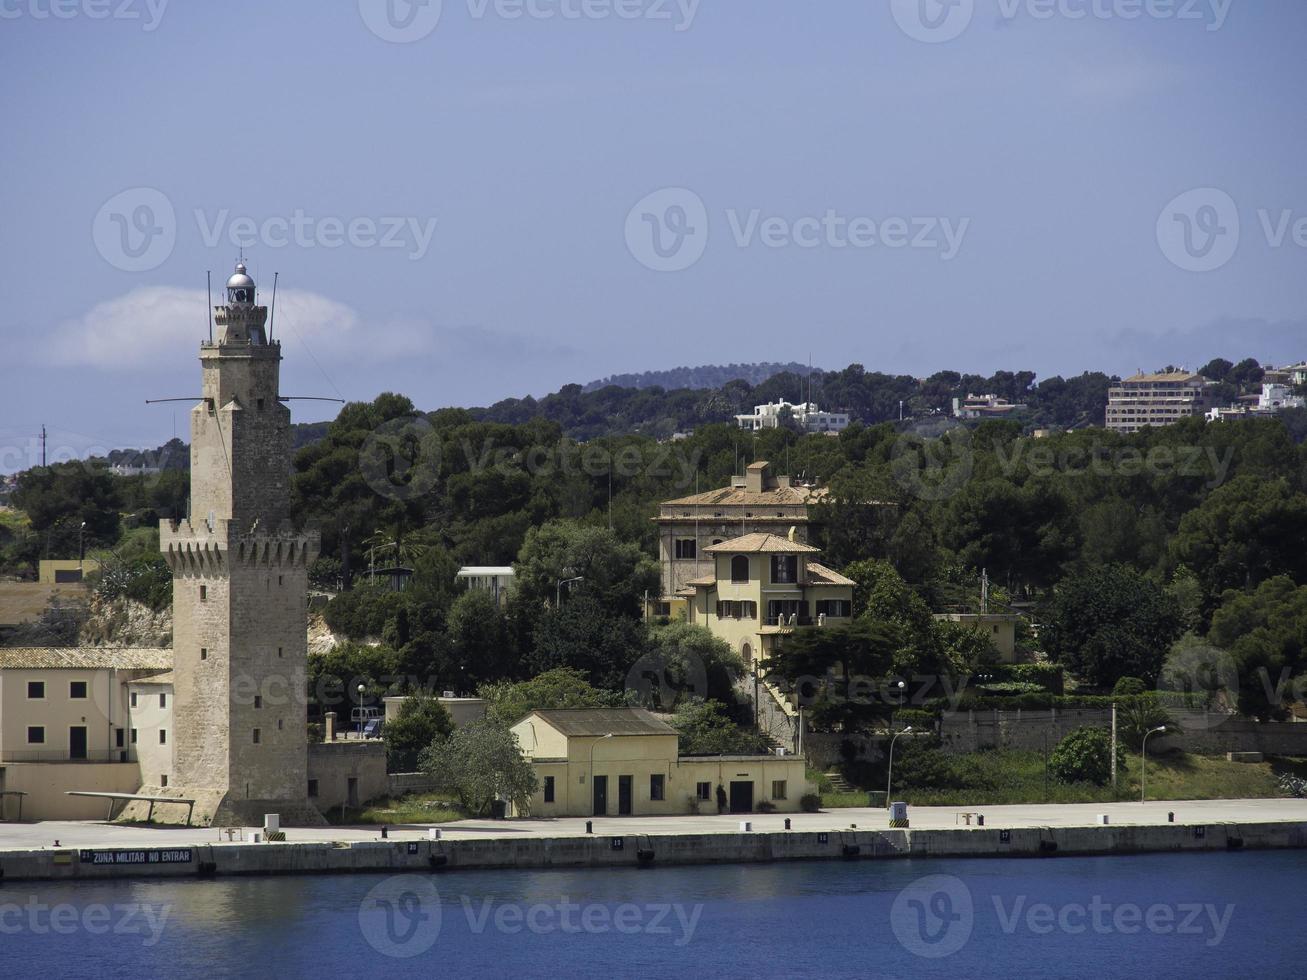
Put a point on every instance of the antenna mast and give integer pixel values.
(272, 314)
(208, 280)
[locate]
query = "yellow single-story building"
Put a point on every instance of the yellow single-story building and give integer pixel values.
(626, 762)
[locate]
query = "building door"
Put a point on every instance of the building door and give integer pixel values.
(600, 796)
(77, 742)
(624, 795)
(352, 790)
(742, 797)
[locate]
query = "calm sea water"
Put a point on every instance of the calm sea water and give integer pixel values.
(1185, 916)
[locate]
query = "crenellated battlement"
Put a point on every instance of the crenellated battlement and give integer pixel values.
(195, 548)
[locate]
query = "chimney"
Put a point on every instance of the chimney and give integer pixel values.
(755, 478)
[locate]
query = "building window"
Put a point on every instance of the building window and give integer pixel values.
(118, 735)
(836, 608)
(133, 736)
(36, 690)
(549, 789)
(784, 568)
(163, 736)
(163, 781)
(204, 593)
(778, 789)
(656, 786)
(278, 651)
(313, 788)
(687, 548)
(258, 701)
(133, 699)
(258, 736)
(35, 734)
(279, 724)
(740, 568)
(703, 791)
(77, 690)
(163, 700)
(204, 653)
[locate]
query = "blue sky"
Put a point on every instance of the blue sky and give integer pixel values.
(1057, 188)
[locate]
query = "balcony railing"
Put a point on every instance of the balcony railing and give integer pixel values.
(61, 755)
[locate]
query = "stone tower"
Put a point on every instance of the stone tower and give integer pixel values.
(240, 587)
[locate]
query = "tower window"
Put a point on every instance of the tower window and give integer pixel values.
(163, 700)
(278, 651)
(259, 403)
(163, 736)
(163, 781)
(279, 725)
(258, 701)
(258, 736)
(204, 653)
(204, 593)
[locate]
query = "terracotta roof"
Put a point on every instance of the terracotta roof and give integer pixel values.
(595, 722)
(85, 658)
(706, 581)
(821, 575)
(762, 544)
(165, 677)
(740, 497)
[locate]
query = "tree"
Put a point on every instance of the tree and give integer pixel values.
(613, 573)
(585, 635)
(1111, 622)
(1265, 633)
(705, 729)
(688, 655)
(59, 498)
(1084, 756)
(1245, 532)
(421, 721)
(508, 703)
(478, 638)
(479, 764)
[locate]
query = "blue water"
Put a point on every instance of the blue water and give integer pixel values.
(1155, 916)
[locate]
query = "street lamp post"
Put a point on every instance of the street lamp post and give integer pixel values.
(889, 781)
(558, 589)
(81, 547)
(361, 689)
(592, 769)
(1143, 753)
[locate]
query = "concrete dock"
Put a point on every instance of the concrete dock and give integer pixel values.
(72, 850)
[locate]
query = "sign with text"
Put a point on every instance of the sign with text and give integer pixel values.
(156, 856)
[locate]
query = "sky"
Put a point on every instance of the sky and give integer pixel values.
(476, 199)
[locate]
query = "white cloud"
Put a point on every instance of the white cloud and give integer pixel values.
(154, 324)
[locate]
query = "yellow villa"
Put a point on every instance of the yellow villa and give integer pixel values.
(763, 587)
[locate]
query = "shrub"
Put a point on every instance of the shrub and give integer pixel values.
(810, 803)
(766, 806)
(1127, 686)
(1084, 756)
(1138, 716)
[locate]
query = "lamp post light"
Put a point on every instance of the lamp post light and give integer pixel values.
(361, 689)
(1143, 753)
(558, 589)
(592, 769)
(81, 547)
(889, 781)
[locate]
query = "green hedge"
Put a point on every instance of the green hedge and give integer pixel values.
(1045, 702)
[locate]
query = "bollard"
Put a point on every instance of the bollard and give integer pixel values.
(787, 823)
(433, 833)
(980, 820)
(385, 832)
(746, 826)
(1170, 816)
(589, 826)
